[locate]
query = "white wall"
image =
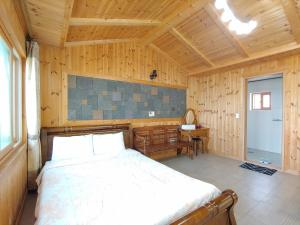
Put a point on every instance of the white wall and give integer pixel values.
(263, 132)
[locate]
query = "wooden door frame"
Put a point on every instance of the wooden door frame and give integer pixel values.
(245, 116)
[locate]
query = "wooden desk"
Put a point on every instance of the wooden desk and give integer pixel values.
(203, 133)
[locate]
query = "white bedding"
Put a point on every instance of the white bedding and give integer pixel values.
(128, 189)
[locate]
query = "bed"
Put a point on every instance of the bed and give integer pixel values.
(127, 188)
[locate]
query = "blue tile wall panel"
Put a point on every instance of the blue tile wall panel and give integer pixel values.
(94, 99)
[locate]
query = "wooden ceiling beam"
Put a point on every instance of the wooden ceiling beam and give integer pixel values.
(96, 42)
(66, 24)
(213, 14)
(288, 49)
(112, 22)
(190, 46)
(184, 11)
(291, 12)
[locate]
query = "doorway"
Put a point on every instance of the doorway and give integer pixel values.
(265, 120)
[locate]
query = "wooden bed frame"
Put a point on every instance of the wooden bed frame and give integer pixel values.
(219, 211)
(48, 133)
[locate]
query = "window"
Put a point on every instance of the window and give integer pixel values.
(260, 101)
(10, 97)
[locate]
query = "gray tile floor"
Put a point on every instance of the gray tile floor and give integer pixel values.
(258, 155)
(263, 200)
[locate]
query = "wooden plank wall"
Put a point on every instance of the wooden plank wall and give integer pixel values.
(12, 22)
(13, 164)
(13, 179)
(118, 61)
(217, 96)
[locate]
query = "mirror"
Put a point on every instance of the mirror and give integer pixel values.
(190, 117)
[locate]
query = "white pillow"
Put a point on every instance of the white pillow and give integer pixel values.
(108, 144)
(72, 147)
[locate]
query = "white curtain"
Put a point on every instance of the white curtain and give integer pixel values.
(33, 113)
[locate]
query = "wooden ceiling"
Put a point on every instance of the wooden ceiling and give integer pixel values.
(189, 31)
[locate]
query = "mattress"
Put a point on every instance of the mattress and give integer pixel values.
(125, 189)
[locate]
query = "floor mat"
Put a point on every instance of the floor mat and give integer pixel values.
(259, 169)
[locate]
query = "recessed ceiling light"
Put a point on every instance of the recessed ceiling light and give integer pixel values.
(220, 4)
(226, 16)
(235, 24)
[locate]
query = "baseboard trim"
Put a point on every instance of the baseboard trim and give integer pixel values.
(224, 155)
(293, 172)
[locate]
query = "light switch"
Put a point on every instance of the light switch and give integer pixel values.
(237, 115)
(151, 113)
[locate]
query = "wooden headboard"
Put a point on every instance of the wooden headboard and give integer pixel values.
(48, 133)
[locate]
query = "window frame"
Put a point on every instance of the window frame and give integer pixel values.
(262, 94)
(16, 97)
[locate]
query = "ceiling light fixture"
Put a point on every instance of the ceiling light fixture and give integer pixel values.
(235, 24)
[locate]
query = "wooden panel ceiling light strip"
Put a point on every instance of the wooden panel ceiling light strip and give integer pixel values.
(212, 12)
(112, 22)
(190, 45)
(184, 11)
(290, 9)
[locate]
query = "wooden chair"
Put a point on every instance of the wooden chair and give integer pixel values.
(197, 142)
(185, 143)
(160, 142)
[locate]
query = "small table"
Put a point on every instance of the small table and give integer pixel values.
(202, 133)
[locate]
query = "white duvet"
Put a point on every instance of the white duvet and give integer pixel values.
(128, 189)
